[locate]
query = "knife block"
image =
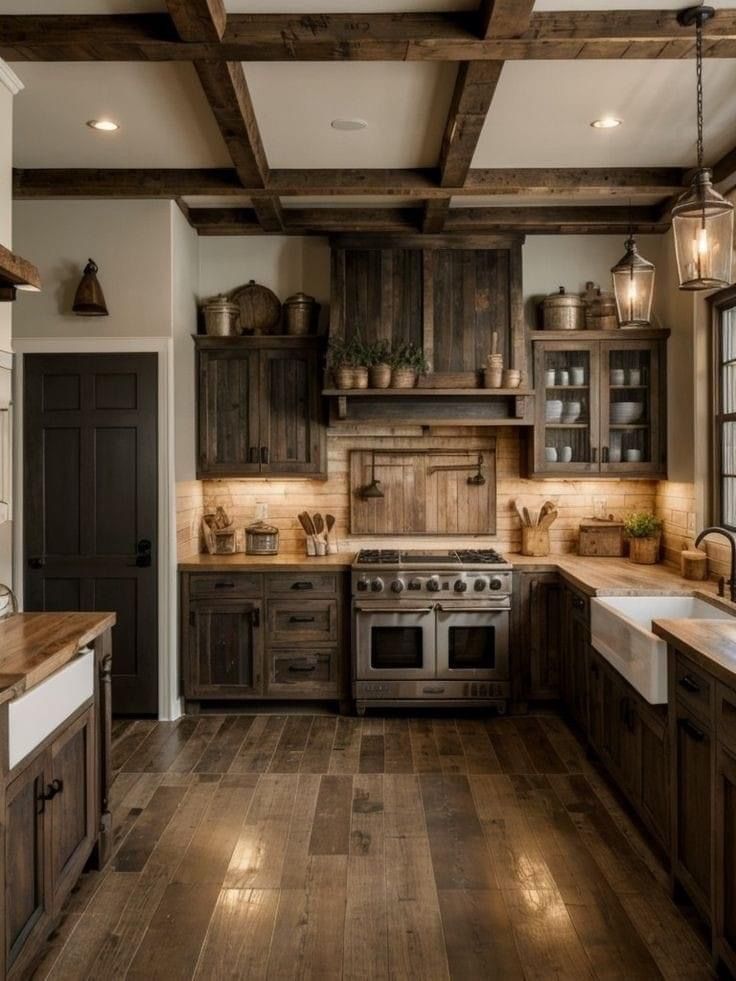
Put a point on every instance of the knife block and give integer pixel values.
(534, 541)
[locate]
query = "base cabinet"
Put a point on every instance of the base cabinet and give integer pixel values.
(540, 626)
(725, 858)
(574, 675)
(263, 636)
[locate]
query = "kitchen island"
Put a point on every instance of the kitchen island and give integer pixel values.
(55, 671)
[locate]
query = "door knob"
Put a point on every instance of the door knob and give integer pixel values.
(36, 563)
(143, 558)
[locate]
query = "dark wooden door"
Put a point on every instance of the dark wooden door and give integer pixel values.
(24, 857)
(693, 765)
(72, 810)
(224, 652)
(228, 411)
(90, 504)
(291, 433)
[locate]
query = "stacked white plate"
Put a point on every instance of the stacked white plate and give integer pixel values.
(626, 413)
(571, 412)
(553, 410)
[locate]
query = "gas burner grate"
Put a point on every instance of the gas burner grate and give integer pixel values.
(484, 556)
(381, 556)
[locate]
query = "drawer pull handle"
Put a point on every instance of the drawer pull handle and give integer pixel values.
(578, 603)
(52, 789)
(692, 730)
(224, 585)
(688, 684)
(302, 585)
(301, 619)
(433, 691)
(302, 669)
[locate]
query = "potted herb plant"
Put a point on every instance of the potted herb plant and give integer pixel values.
(361, 352)
(340, 362)
(379, 364)
(407, 363)
(644, 531)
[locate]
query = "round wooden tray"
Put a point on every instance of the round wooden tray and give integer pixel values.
(259, 309)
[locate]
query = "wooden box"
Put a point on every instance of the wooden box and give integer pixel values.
(602, 538)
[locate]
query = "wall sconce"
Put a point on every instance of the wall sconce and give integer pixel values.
(89, 300)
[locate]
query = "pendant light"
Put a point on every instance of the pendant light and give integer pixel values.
(702, 219)
(633, 287)
(89, 300)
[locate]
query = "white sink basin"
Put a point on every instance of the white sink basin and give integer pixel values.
(621, 631)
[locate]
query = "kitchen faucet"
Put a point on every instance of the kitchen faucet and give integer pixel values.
(716, 530)
(12, 602)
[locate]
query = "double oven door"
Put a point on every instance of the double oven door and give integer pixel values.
(440, 641)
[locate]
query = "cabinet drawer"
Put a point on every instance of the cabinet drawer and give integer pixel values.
(312, 673)
(308, 621)
(726, 717)
(225, 584)
(301, 584)
(693, 688)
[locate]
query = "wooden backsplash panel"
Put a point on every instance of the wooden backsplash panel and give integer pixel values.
(471, 300)
(418, 501)
(383, 294)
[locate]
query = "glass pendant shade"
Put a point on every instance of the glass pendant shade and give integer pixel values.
(633, 287)
(702, 222)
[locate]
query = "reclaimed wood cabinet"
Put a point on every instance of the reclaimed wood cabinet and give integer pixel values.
(262, 636)
(539, 625)
(576, 625)
(259, 410)
(600, 404)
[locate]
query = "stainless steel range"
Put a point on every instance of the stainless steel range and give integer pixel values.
(431, 627)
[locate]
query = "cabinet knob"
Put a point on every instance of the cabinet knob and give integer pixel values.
(264, 454)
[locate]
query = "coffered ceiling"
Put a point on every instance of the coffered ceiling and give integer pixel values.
(507, 128)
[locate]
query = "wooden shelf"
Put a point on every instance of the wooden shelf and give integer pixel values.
(567, 425)
(16, 274)
(476, 393)
(628, 425)
(618, 388)
(585, 336)
(565, 388)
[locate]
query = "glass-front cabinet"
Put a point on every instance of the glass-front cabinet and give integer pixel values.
(600, 404)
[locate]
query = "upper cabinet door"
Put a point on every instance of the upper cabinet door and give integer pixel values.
(566, 436)
(228, 424)
(292, 436)
(633, 399)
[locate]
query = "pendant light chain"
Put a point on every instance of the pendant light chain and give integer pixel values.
(699, 71)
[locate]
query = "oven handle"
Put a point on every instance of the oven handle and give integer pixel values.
(473, 609)
(394, 609)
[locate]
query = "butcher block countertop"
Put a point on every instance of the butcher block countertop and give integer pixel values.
(35, 645)
(711, 644)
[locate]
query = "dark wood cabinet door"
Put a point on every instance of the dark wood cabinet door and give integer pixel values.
(693, 765)
(224, 649)
(725, 858)
(228, 411)
(72, 810)
(653, 760)
(292, 436)
(575, 662)
(25, 901)
(541, 634)
(595, 700)
(611, 718)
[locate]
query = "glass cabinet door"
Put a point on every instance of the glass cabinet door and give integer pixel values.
(567, 378)
(632, 408)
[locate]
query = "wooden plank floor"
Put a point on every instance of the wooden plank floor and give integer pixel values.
(262, 846)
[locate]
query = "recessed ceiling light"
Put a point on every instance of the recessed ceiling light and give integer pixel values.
(104, 125)
(349, 124)
(607, 122)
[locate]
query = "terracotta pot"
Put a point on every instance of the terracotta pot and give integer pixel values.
(403, 378)
(344, 377)
(379, 376)
(644, 551)
(360, 378)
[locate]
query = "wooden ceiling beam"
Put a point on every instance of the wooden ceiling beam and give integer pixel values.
(435, 215)
(198, 20)
(475, 87)
(724, 172)
(534, 220)
(600, 182)
(504, 18)
(453, 36)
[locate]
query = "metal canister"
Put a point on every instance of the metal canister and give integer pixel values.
(564, 311)
(261, 539)
(301, 314)
(601, 313)
(220, 316)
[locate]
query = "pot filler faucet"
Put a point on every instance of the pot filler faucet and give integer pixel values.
(722, 583)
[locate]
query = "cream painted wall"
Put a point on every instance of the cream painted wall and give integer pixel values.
(131, 243)
(184, 282)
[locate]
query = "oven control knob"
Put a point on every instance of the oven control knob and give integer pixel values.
(415, 584)
(397, 586)
(479, 585)
(376, 585)
(460, 586)
(362, 584)
(496, 583)
(433, 584)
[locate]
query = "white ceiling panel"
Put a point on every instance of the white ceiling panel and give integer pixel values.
(349, 201)
(404, 103)
(81, 6)
(541, 113)
(163, 115)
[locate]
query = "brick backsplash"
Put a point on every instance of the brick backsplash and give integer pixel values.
(285, 498)
(675, 505)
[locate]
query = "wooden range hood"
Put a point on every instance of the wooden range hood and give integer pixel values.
(16, 274)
